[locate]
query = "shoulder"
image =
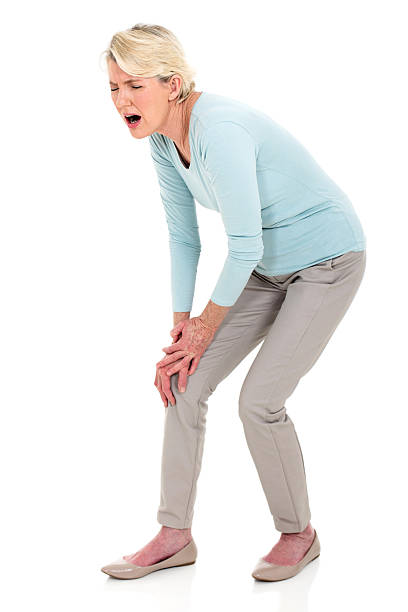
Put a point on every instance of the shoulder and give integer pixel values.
(220, 121)
(158, 143)
(211, 109)
(159, 149)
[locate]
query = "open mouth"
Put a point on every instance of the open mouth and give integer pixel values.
(133, 119)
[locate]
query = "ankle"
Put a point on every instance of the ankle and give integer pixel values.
(307, 531)
(173, 532)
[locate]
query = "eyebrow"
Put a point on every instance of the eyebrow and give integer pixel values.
(128, 81)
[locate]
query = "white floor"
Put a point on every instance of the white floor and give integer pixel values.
(85, 309)
(344, 577)
(89, 497)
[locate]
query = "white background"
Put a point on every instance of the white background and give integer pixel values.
(86, 309)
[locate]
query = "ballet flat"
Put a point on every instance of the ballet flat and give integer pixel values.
(126, 571)
(271, 571)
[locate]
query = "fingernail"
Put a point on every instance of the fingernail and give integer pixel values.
(182, 389)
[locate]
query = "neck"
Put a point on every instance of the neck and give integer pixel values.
(178, 124)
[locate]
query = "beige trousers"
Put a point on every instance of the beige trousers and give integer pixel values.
(294, 315)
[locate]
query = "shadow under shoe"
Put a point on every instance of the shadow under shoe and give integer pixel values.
(271, 571)
(126, 571)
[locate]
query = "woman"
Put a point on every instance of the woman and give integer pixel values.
(296, 257)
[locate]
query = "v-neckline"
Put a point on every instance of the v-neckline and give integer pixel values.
(178, 155)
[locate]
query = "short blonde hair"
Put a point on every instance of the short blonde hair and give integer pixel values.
(148, 50)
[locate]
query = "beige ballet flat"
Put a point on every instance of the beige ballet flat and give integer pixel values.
(270, 571)
(126, 571)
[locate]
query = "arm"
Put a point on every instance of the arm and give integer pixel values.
(180, 316)
(184, 238)
(229, 156)
(213, 315)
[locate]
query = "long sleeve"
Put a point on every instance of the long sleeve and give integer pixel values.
(229, 157)
(184, 238)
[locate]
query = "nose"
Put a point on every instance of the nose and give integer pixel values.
(122, 98)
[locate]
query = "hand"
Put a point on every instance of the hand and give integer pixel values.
(162, 379)
(162, 382)
(195, 338)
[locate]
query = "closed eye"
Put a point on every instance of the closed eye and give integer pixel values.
(133, 87)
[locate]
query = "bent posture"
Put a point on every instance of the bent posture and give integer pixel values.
(296, 258)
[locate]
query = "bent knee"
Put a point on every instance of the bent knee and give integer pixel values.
(261, 410)
(196, 389)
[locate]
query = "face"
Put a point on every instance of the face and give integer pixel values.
(146, 97)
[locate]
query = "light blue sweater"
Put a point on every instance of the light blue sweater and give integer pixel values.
(280, 210)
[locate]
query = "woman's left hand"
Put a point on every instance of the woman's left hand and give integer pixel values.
(194, 340)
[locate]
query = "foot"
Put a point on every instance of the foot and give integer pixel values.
(165, 544)
(291, 547)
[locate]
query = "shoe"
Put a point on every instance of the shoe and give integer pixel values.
(126, 571)
(271, 571)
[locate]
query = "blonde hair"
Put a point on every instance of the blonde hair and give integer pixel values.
(148, 50)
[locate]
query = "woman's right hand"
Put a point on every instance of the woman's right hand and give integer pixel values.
(162, 379)
(162, 382)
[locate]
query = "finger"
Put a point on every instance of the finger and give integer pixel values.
(182, 379)
(159, 388)
(163, 396)
(177, 366)
(178, 328)
(164, 399)
(165, 383)
(172, 347)
(194, 365)
(166, 387)
(171, 358)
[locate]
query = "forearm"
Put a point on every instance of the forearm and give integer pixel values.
(213, 314)
(180, 316)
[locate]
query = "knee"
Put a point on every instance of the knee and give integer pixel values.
(254, 409)
(196, 390)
